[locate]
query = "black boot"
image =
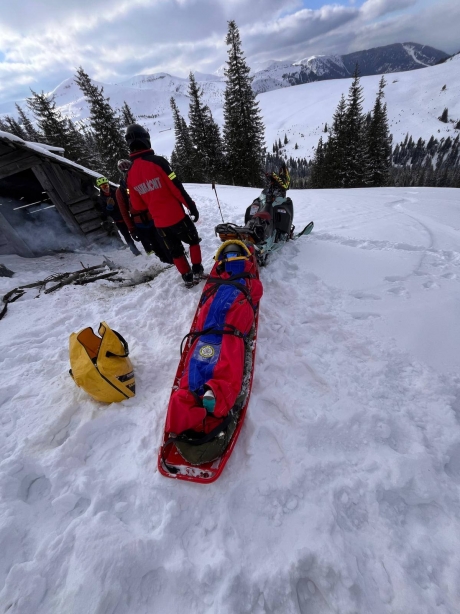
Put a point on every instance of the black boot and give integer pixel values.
(198, 272)
(188, 279)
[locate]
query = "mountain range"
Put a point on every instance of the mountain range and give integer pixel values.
(415, 98)
(398, 57)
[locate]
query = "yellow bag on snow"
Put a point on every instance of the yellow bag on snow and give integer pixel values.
(100, 365)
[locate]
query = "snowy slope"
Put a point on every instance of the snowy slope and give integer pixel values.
(342, 494)
(387, 59)
(414, 99)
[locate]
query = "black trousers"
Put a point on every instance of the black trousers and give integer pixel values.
(123, 230)
(182, 232)
(153, 242)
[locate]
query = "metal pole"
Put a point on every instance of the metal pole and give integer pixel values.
(218, 203)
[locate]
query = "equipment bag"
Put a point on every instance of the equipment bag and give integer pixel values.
(100, 365)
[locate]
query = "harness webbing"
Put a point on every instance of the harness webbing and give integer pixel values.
(231, 281)
(198, 438)
(211, 331)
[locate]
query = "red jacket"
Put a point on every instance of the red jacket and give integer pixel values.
(131, 217)
(153, 184)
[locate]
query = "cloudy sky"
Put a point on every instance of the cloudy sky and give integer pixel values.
(42, 42)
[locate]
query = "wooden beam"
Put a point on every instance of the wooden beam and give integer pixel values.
(4, 148)
(14, 155)
(91, 225)
(97, 234)
(91, 214)
(19, 246)
(21, 164)
(46, 178)
(84, 205)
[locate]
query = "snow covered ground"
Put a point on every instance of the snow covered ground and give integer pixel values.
(342, 494)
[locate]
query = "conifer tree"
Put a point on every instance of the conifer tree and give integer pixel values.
(444, 116)
(50, 122)
(243, 129)
(13, 127)
(82, 151)
(186, 162)
(378, 141)
(355, 145)
(336, 151)
(127, 116)
(106, 125)
(318, 166)
(31, 132)
(205, 134)
(58, 130)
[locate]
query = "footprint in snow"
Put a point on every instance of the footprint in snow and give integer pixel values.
(363, 296)
(364, 315)
(311, 601)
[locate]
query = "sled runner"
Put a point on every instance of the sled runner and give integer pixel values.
(213, 381)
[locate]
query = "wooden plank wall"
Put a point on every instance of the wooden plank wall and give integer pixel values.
(69, 189)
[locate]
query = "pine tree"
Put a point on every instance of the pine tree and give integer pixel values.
(243, 129)
(58, 130)
(186, 161)
(444, 116)
(336, 151)
(32, 133)
(318, 166)
(205, 134)
(285, 139)
(13, 127)
(106, 125)
(50, 122)
(82, 152)
(127, 116)
(379, 141)
(355, 145)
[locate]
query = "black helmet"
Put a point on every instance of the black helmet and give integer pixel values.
(137, 137)
(232, 249)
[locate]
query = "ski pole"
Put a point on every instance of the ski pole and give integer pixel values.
(218, 203)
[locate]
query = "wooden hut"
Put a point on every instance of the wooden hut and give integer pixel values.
(34, 179)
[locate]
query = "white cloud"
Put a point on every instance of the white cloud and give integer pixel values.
(114, 39)
(372, 9)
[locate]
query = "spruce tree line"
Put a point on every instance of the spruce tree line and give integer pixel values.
(358, 150)
(420, 163)
(237, 156)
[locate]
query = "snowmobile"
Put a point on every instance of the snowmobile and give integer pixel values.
(211, 389)
(268, 223)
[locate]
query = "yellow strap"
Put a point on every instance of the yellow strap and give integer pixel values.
(172, 175)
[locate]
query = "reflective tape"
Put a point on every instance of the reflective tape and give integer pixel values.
(172, 175)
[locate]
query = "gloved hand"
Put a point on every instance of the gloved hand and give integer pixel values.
(134, 235)
(109, 227)
(194, 215)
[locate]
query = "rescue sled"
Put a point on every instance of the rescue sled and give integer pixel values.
(199, 454)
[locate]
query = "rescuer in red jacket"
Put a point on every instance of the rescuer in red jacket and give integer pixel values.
(153, 184)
